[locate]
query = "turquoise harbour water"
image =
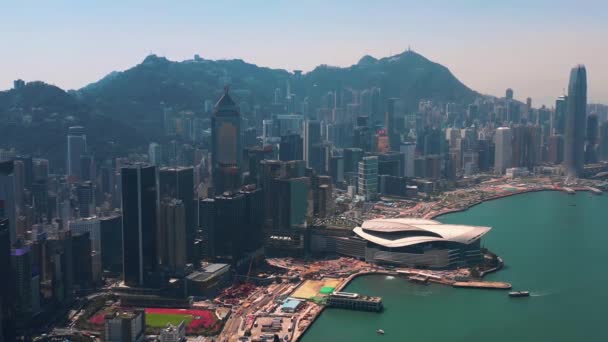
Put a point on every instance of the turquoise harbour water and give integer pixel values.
(553, 244)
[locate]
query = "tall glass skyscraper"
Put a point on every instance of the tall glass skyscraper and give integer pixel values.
(574, 144)
(226, 147)
(139, 224)
(77, 146)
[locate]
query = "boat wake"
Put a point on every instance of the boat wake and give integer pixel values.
(542, 293)
(390, 277)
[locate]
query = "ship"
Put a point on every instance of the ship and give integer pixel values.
(519, 294)
(380, 331)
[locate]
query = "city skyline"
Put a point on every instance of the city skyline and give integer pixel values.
(489, 47)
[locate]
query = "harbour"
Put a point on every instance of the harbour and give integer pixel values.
(546, 273)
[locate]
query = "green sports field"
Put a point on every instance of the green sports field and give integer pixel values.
(157, 320)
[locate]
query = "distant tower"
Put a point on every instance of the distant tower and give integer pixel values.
(504, 152)
(368, 177)
(558, 123)
(226, 148)
(590, 146)
(77, 146)
(139, 224)
(574, 144)
(509, 94)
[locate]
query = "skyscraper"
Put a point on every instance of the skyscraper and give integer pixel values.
(178, 183)
(226, 147)
(139, 223)
(7, 196)
(389, 124)
(368, 177)
(312, 139)
(7, 286)
(574, 142)
(155, 154)
(559, 118)
(503, 154)
(591, 143)
(77, 146)
(291, 147)
(172, 238)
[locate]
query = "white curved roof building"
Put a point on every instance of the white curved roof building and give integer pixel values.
(414, 242)
(403, 232)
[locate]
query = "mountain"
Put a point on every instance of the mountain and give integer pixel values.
(135, 94)
(124, 110)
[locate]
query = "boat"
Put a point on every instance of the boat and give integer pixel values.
(519, 294)
(380, 331)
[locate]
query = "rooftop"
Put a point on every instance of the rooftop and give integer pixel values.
(402, 232)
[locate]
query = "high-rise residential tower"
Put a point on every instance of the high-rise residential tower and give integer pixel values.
(574, 142)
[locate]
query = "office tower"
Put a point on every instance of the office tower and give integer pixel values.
(178, 183)
(604, 141)
(291, 147)
(591, 144)
(155, 154)
(362, 134)
(391, 163)
(77, 146)
(21, 261)
(389, 124)
(40, 169)
(409, 150)
(352, 157)
(125, 326)
(172, 248)
(226, 147)
(322, 203)
(87, 168)
(59, 251)
(223, 226)
(86, 199)
(509, 94)
(336, 169)
(110, 231)
(7, 286)
(312, 139)
(368, 178)
(82, 261)
(28, 170)
(7, 196)
(40, 200)
(558, 123)
(291, 205)
(574, 138)
(556, 149)
(139, 224)
(504, 152)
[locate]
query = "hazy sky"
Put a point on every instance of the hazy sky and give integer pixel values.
(528, 45)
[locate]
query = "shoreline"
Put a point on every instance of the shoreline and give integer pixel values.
(352, 277)
(434, 215)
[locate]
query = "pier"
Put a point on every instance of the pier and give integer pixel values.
(494, 285)
(354, 301)
(594, 190)
(569, 191)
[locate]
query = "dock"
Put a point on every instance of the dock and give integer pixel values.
(419, 279)
(570, 191)
(495, 285)
(594, 190)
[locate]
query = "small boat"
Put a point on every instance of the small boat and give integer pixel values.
(519, 294)
(380, 331)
